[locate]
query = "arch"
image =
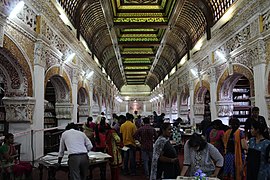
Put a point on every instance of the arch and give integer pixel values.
(184, 95)
(83, 96)
(17, 66)
(200, 90)
(62, 82)
(226, 82)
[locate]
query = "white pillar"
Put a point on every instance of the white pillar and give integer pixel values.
(127, 107)
(191, 95)
(38, 116)
(170, 106)
(178, 103)
(213, 94)
(260, 86)
(74, 96)
(91, 98)
(144, 107)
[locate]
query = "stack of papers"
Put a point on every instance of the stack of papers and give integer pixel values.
(52, 158)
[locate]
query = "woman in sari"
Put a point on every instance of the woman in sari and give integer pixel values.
(89, 130)
(100, 132)
(165, 159)
(216, 135)
(114, 145)
(235, 144)
(258, 162)
(11, 167)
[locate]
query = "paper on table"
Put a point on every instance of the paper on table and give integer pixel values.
(98, 155)
(48, 158)
(125, 148)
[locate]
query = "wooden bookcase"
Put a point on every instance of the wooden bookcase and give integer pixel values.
(241, 100)
(50, 116)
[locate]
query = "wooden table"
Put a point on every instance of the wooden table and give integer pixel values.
(96, 160)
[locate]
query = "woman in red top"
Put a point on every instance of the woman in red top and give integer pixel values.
(100, 132)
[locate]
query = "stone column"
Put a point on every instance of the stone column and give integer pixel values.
(39, 91)
(91, 89)
(257, 53)
(144, 107)
(74, 95)
(170, 107)
(126, 106)
(213, 94)
(191, 96)
(178, 102)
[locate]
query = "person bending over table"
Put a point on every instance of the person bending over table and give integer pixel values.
(78, 145)
(165, 158)
(198, 154)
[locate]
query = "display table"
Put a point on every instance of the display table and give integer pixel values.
(49, 161)
(192, 178)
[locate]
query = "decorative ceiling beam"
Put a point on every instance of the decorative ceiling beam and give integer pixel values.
(203, 5)
(188, 39)
(138, 55)
(141, 25)
(175, 14)
(138, 44)
(106, 9)
(80, 8)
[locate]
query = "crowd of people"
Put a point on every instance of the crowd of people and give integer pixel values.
(227, 152)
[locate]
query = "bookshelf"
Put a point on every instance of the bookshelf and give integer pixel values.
(49, 114)
(241, 101)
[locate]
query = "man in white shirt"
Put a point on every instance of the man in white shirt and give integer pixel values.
(78, 145)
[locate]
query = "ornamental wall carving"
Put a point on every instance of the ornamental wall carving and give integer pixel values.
(199, 109)
(83, 110)
(63, 110)
(12, 51)
(28, 17)
(19, 109)
(22, 40)
(266, 21)
(225, 109)
(184, 78)
(257, 52)
(238, 40)
(244, 59)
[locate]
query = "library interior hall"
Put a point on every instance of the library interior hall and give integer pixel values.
(202, 67)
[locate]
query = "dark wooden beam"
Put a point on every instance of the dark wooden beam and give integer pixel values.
(138, 55)
(207, 11)
(138, 44)
(141, 25)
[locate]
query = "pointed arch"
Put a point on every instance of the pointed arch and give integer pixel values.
(226, 82)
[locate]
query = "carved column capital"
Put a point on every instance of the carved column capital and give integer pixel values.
(63, 110)
(257, 52)
(212, 74)
(39, 54)
(19, 109)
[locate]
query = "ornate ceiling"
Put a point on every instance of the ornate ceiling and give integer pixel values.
(139, 42)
